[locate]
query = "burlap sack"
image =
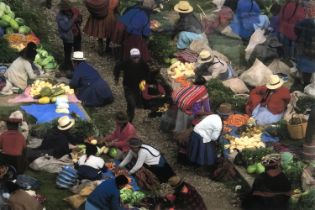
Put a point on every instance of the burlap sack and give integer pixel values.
(257, 37)
(236, 85)
(278, 66)
(75, 201)
(257, 75)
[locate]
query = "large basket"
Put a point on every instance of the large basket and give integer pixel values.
(297, 130)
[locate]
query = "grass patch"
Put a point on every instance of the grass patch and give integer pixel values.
(102, 121)
(54, 196)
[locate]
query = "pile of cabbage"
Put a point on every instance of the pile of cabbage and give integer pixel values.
(129, 196)
(45, 60)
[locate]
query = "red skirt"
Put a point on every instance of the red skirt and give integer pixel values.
(135, 41)
(100, 28)
(118, 34)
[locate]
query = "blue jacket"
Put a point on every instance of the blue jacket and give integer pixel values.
(137, 21)
(65, 27)
(89, 86)
(106, 196)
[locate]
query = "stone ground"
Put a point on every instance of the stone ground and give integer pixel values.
(216, 195)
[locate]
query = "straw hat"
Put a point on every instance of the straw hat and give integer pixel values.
(65, 123)
(175, 181)
(225, 109)
(274, 82)
(78, 56)
(205, 56)
(183, 7)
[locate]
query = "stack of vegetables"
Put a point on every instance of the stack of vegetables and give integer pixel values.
(47, 92)
(131, 197)
(45, 60)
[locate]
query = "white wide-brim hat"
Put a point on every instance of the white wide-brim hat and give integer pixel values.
(205, 56)
(78, 56)
(65, 123)
(274, 82)
(183, 7)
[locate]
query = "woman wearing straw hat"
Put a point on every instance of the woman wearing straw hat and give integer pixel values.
(266, 104)
(305, 31)
(57, 142)
(148, 157)
(185, 197)
(210, 66)
(88, 84)
(188, 27)
(272, 189)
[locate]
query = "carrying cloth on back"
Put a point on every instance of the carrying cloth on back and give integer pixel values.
(186, 97)
(97, 8)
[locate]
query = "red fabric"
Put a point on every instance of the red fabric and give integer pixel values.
(135, 41)
(276, 102)
(122, 136)
(287, 21)
(12, 143)
(145, 93)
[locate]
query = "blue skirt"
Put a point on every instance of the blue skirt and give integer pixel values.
(203, 154)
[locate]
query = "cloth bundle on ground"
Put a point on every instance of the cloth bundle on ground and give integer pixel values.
(67, 177)
(258, 74)
(168, 119)
(278, 66)
(147, 180)
(258, 37)
(236, 85)
(186, 97)
(27, 182)
(310, 89)
(50, 164)
(97, 8)
(290, 107)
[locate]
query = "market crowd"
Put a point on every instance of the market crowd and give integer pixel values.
(287, 35)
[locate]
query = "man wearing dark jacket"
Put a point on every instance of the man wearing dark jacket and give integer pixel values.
(134, 71)
(106, 196)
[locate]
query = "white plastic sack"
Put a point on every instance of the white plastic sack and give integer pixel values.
(257, 37)
(219, 4)
(236, 85)
(310, 89)
(257, 75)
(50, 164)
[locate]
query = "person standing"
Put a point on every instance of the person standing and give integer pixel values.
(102, 21)
(13, 145)
(69, 20)
(106, 196)
(88, 84)
(134, 70)
(305, 31)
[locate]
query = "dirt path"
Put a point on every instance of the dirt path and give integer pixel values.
(216, 195)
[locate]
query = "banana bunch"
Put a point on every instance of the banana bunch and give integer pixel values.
(37, 87)
(66, 88)
(179, 69)
(244, 142)
(142, 85)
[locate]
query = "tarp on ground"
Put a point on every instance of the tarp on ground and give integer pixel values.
(47, 112)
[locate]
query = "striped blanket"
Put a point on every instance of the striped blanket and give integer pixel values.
(186, 97)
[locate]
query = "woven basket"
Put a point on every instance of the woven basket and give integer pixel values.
(297, 131)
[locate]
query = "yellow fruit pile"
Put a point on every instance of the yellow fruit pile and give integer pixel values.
(39, 84)
(244, 142)
(179, 69)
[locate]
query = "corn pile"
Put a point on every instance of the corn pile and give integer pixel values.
(179, 69)
(38, 85)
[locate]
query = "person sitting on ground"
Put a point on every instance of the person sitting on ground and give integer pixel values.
(124, 131)
(201, 146)
(106, 196)
(89, 86)
(271, 190)
(90, 166)
(211, 67)
(19, 199)
(185, 197)
(188, 27)
(69, 20)
(134, 71)
(13, 145)
(23, 71)
(153, 94)
(23, 126)
(148, 157)
(57, 142)
(266, 104)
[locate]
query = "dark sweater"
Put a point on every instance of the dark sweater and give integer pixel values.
(133, 73)
(106, 196)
